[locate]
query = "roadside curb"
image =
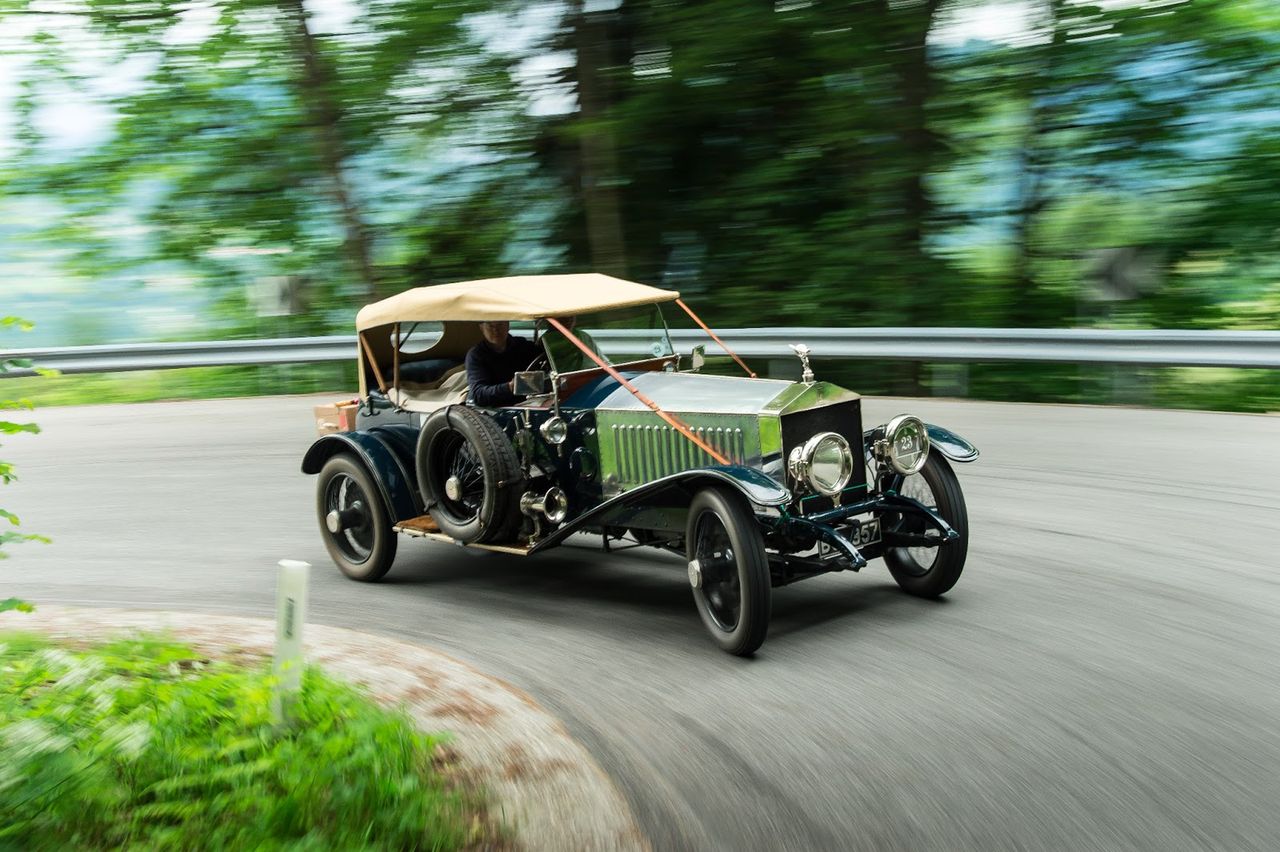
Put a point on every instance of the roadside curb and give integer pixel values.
(544, 784)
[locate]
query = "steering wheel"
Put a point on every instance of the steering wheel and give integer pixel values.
(540, 362)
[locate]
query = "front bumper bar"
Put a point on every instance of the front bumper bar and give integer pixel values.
(822, 526)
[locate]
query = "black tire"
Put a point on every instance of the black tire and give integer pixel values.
(461, 443)
(930, 572)
(365, 548)
(733, 595)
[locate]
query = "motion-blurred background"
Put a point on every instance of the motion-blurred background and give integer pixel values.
(203, 170)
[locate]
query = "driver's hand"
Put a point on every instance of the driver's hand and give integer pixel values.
(511, 385)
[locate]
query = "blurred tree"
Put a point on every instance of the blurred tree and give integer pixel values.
(257, 143)
(778, 153)
(1114, 109)
(804, 161)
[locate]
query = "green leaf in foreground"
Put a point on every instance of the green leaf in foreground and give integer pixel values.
(15, 604)
(142, 744)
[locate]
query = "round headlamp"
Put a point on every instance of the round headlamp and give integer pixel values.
(824, 462)
(554, 430)
(905, 444)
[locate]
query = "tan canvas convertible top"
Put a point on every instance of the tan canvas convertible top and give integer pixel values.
(460, 306)
(522, 297)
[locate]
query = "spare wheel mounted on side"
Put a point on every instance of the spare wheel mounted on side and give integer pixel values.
(469, 476)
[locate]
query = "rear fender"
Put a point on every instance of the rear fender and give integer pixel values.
(383, 455)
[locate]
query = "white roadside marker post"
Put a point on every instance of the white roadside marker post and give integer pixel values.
(291, 614)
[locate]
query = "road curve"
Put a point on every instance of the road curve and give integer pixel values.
(1103, 677)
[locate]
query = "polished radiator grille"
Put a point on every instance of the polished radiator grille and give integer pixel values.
(843, 418)
(646, 453)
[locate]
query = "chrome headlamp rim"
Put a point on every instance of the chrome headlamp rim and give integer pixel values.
(800, 463)
(892, 453)
(554, 430)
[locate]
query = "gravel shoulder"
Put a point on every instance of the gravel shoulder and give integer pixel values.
(544, 785)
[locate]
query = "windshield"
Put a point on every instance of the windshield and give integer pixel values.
(618, 336)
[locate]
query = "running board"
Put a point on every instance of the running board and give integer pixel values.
(424, 527)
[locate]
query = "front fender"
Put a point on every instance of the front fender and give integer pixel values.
(950, 444)
(383, 456)
(761, 490)
(941, 439)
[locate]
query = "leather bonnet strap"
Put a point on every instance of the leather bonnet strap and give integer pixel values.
(688, 310)
(670, 419)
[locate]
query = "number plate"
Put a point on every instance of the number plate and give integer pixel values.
(861, 534)
(868, 532)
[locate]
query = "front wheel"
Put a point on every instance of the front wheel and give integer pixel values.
(354, 520)
(729, 571)
(928, 572)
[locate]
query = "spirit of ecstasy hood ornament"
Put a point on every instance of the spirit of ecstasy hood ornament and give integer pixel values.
(802, 352)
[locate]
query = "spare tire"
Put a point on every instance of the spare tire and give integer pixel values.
(469, 476)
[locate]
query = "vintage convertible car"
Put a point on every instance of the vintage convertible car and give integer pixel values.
(756, 482)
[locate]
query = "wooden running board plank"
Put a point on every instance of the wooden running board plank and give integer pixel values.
(422, 523)
(418, 527)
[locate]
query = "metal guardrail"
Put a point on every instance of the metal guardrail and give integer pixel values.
(115, 358)
(1079, 346)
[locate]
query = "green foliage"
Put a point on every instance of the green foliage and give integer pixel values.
(190, 383)
(15, 605)
(8, 427)
(777, 162)
(141, 744)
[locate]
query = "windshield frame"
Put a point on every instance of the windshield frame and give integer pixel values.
(661, 328)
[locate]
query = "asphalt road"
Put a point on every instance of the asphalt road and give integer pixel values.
(1104, 676)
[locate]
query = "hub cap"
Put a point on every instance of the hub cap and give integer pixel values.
(347, 518)
(717, 571)
(464, 477)
(453, 488)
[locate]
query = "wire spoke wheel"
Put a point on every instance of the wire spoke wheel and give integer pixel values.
(919, 561)
(464, 483)
(928, 572)
(469, 476)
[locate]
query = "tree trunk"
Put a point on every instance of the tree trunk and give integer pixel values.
(909, 27)
(315, 87)
(599, 163)
(1024, 310)
(918, 142)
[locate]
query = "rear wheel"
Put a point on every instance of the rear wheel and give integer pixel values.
(354, 520)
(931, 571)
(729, 570)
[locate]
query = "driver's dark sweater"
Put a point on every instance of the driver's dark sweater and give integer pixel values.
(489, 371)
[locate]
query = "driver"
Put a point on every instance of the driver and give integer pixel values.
(566, 356)
(493, 363)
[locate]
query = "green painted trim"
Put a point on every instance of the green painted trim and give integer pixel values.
(863, 486)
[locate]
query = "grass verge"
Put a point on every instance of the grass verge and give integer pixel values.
(142, 744)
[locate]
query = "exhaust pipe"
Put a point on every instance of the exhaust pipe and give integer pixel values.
(554, 505)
